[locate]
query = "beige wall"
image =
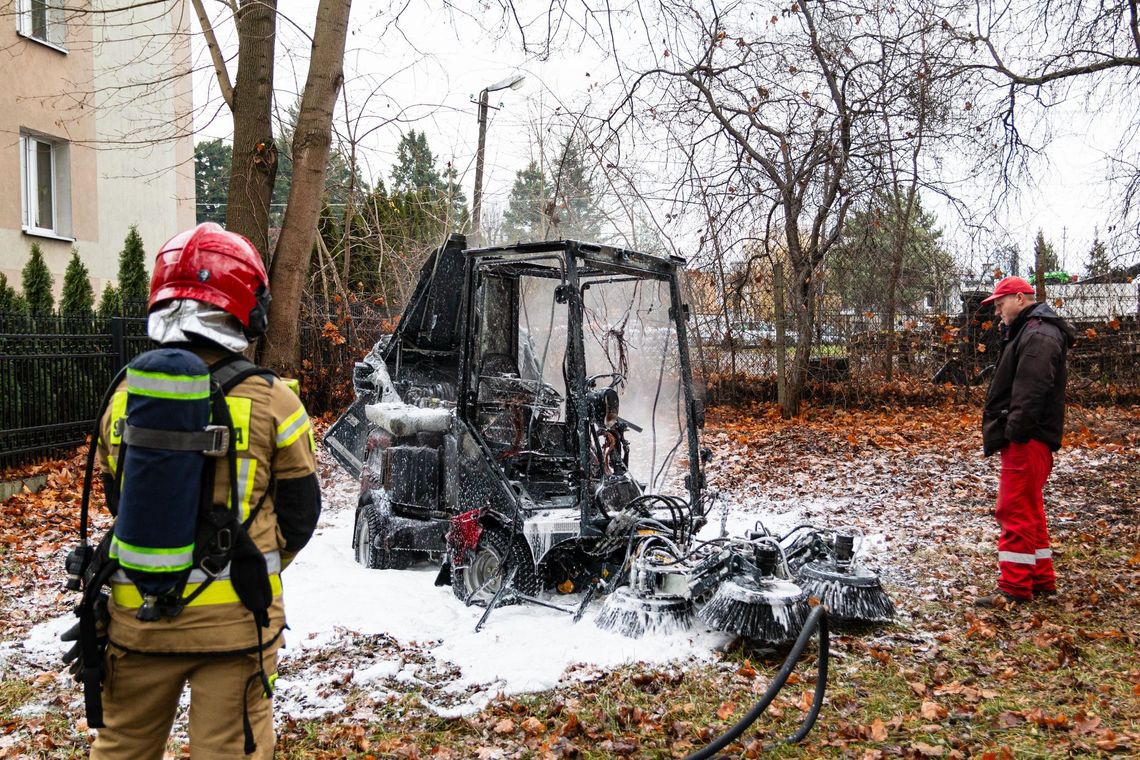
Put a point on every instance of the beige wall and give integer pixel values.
(123, 102)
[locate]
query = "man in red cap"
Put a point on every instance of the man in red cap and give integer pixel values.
(1023, 418)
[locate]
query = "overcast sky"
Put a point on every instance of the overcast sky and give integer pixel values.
(422, 73)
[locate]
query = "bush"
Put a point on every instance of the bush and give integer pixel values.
(37, 282)
(78, 298)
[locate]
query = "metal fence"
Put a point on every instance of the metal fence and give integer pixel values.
(54, 370)
(53, 373)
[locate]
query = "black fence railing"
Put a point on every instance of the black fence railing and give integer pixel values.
(53, 373)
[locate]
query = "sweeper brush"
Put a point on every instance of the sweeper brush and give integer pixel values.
(853, 595)
(823, 563)
(633, 616)
(768, 610)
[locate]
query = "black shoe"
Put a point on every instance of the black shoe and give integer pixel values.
(999, 600)
(1045, 594)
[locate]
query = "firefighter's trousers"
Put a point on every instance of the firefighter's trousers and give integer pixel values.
(140, 700)
(1025, 560)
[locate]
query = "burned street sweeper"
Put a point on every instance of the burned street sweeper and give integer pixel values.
(532, 425)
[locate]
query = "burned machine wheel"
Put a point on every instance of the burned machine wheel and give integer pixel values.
(497, 557)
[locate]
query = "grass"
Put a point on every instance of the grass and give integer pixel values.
(1051, 680)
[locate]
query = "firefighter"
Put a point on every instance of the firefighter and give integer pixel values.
(209, 294)
(1023, 418)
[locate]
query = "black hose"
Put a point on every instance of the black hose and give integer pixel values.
(817, 619)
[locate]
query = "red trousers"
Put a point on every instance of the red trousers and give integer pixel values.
(1025, 561)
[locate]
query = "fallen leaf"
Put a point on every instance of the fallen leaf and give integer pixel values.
(1010, 719)
(933, 711)
(1086, 724)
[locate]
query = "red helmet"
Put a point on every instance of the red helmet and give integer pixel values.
(217, 267)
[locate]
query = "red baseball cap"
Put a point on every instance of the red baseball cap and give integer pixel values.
(1008, 286)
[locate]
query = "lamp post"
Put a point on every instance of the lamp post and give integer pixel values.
(513, 82)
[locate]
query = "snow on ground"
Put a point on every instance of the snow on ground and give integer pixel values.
(383, 632)
(428, 636)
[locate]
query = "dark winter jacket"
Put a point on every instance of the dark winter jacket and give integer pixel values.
(1026, 399)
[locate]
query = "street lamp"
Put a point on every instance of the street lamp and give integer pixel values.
(512, 82)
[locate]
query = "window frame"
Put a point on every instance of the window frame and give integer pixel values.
(29, 186)
(55, 28)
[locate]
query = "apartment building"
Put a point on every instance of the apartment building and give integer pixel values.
(95, 130)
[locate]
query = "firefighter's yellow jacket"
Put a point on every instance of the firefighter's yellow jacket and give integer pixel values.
(276, 468)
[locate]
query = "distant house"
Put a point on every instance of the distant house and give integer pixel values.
(95, 130)
(1081, 302)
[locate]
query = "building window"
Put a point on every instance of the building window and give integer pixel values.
(45, 186)
(43, 21)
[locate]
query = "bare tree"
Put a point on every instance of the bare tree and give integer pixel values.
(1036, 56)
(250, 100)
(774, 119)
(311, 144)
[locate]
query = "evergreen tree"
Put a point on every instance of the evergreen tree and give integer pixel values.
(527, 208)
(1043, 252)
(1098, 262)
(78, 298)
(10, 300)
(37, 283)
(456, 199)
(212, 160)
(867, 248)
(415, 166)
(578, 216)
(110, 305)
(134, 282)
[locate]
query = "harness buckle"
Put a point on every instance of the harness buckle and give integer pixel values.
(224, 540)
(206, 565)
(221, 441)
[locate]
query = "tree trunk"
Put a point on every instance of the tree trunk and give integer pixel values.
(892, 299)
(311, 143)
(803, 304)
(778, 291)
(254, 167)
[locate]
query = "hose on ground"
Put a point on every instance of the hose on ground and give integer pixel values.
(816, 619)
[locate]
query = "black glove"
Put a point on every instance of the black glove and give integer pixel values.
(74, 657)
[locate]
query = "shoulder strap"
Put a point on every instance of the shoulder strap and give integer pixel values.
(229, 371)
(89, 470)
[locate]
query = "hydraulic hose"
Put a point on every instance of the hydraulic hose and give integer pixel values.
(816, 619)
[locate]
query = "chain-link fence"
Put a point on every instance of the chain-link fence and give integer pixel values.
(924, 352)
(334, 336)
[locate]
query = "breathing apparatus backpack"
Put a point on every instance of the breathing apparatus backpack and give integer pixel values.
(176, 430)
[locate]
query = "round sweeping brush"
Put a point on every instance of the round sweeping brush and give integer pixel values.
(770, 610)
(631, 615)
(852, 594)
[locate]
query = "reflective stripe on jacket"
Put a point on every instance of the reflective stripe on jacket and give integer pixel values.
(273, 441)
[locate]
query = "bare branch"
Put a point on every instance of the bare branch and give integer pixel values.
(220, 69)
